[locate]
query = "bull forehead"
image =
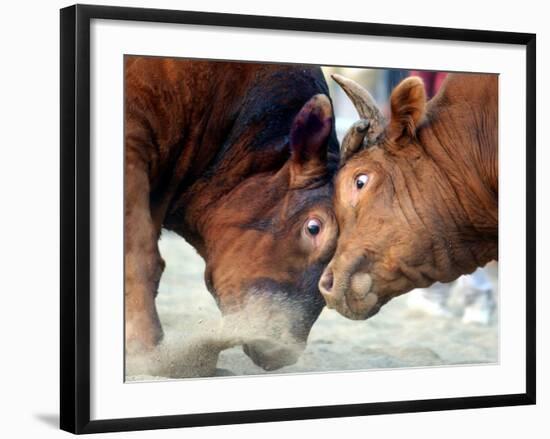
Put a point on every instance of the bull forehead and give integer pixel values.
(281, 211)
(393, 204)
(404, 207)
(385, 162)
(368, 162)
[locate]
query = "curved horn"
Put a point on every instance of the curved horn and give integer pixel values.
(353, 140)
(366, 108)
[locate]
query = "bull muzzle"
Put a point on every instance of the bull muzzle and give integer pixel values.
(350, 293)
(272, 355)
(273, 328)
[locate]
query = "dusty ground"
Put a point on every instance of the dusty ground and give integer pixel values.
(396, 337)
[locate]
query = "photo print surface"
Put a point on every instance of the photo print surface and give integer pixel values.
(286, 218)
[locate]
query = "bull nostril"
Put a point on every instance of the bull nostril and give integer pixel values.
(327, 281)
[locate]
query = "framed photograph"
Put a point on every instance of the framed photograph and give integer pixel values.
(268, 218)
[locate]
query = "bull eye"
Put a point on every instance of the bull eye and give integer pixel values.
(361, 180)
(313, 226)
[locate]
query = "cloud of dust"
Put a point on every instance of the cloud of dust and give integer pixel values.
(263, 326)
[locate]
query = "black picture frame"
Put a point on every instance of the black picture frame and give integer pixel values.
(75, 217)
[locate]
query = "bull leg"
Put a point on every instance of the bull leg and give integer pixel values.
(142, 261)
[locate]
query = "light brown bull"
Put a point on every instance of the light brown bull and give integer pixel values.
(416, 199)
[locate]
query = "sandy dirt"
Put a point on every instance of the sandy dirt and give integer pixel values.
(397, 336)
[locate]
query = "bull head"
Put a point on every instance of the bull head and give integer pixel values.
(268, 241)
(407, 218)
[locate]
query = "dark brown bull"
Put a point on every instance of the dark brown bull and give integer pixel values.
(237, 158)
(417, 199)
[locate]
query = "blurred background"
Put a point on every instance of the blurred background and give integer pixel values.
(447, 324)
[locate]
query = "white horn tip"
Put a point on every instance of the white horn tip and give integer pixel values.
(338, 78)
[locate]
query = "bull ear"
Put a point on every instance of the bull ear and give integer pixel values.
(310, 133)
(408, 108)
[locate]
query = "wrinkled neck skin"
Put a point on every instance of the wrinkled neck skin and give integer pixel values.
(460, 137)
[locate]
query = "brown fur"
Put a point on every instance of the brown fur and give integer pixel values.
(430, 209)
(230, 157)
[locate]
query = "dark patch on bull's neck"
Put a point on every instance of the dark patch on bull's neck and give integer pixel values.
(267, 110)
